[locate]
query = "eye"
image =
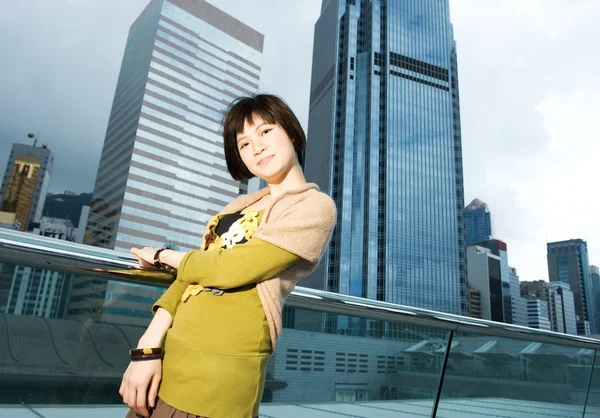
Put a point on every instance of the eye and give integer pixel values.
(243, 145)
(266, 131)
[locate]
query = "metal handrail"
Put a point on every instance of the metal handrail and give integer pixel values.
(51, 254)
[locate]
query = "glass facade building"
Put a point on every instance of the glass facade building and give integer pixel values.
(384, 141)
(568, 263)
(162, 173)
(478, 222)
(485, 276)
(500, 249)
(595, 284)
(25, 186)
(561, 300)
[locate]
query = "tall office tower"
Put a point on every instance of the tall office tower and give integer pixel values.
(485, 276)
(162, 173)
(478, 222)
(384, 141)
(519, 310)
(568, 263)
(595, 285)
(500, 249)
(562, 302)
(25, 185)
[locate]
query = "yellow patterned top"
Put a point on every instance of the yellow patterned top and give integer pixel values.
(243, 228)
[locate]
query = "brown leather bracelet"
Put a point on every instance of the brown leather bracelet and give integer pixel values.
(157, 262)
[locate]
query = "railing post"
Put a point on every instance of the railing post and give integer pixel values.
(436, 401)
(587, 395)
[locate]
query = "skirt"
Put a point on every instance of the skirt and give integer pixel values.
(163, 410)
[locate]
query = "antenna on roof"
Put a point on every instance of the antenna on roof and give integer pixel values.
(31, 136)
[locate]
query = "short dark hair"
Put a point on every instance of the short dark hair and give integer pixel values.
(271, 109)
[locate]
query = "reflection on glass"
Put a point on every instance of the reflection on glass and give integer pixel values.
(499, 377)
(592, 409)
(64, 339)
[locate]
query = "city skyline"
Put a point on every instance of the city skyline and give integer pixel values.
(514, 169)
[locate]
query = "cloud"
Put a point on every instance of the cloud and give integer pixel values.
(59, 78)
(60, 65)
(529, 100)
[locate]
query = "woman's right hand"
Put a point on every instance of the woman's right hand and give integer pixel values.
(139, 387)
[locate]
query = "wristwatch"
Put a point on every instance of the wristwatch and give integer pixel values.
(157, 262)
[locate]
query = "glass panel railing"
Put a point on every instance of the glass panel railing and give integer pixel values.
(69, 313)
(339, 363)
(64, 339)
(592, 408)
(499, 377)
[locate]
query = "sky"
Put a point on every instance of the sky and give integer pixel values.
(529, 74)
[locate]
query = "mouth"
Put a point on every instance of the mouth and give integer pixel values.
(265, 160)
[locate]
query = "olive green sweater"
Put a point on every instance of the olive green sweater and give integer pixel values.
(293, 234)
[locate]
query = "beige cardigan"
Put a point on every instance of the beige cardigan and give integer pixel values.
(299, 221)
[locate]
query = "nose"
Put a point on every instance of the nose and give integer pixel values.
(259, 147)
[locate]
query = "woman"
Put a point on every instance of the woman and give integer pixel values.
(222, 315)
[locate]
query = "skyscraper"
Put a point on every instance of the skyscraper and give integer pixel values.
(162, 173)
(568, 263)
(485, 276)
(25, 185)
(561, 302)
(478, 222)
(500, 249)
(384, 141)
(595, 284)
(519, 308)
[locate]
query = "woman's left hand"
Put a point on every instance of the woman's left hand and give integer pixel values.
(145, 256)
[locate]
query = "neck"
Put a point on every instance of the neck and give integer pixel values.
(292, 180)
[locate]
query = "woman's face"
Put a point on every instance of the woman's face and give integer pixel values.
(266, 150)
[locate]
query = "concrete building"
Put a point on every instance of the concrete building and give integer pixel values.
(559, 302)
(537, 313)
(62, 229)
(474, 298)
(162, 173)
(519, 308)
(484, 276)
